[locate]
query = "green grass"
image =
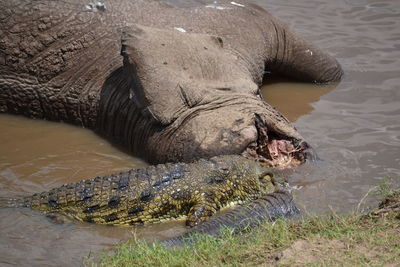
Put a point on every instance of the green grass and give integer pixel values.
(363, 240)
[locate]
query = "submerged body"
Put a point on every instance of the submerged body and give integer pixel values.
(196, 190)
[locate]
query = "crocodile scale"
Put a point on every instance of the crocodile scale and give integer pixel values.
(157, 193)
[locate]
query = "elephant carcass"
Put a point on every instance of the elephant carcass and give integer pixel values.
(185, 87)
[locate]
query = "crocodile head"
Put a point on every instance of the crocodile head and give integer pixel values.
(252, 178)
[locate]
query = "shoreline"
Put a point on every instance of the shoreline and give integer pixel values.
(354, 240)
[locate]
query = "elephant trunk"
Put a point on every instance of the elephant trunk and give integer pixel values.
(296, 58)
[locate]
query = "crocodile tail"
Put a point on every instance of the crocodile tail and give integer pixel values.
(266, 208)
(8, 202)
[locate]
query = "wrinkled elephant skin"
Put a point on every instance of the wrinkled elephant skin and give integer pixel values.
(168, 83)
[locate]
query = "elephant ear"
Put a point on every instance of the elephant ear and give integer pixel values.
(170, 71)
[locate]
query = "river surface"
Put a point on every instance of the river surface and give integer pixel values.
(354, 127)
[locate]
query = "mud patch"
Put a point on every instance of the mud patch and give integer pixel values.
(308, 251)
(320, 250)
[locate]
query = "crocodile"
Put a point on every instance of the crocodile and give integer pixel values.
(157, 193)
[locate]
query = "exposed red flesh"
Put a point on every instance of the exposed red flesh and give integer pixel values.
(278, 147)
(275, 151)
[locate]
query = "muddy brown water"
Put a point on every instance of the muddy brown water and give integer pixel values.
(354, 127)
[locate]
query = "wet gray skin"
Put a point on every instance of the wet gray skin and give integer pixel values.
(166, 88)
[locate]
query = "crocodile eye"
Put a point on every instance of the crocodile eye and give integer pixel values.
(266, 177)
